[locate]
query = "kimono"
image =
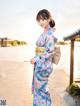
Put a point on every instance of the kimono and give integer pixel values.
(43, 68)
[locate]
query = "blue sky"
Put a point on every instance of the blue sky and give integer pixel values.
(17, 17)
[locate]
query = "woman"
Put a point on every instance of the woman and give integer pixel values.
(43, 59)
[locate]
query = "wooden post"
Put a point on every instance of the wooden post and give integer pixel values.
(71, 62)
(1, 42)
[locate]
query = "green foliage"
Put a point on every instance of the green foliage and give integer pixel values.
(63, 42)
(78, 39)
(74, 89)
(8, 42)
(16, 43)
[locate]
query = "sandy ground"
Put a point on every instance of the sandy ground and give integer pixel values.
(16, 80)
(15, 83)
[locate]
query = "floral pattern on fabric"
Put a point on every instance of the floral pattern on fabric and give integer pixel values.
(42, 69)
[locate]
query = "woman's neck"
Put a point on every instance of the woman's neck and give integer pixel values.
(46, 28)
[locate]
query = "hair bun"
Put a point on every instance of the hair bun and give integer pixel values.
(52, 23)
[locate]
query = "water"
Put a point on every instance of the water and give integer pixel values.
(25, 53)
(17, 53)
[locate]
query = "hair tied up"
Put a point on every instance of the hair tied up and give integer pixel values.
(52, 23)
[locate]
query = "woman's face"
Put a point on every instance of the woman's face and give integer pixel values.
(44, 23)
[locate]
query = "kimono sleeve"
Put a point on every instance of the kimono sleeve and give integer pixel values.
(38, 60)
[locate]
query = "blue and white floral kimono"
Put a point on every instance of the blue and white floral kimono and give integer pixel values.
(43, 68)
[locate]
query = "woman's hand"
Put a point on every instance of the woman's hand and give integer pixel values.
(32, 61)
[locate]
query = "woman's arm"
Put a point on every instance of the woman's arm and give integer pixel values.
(49, 48)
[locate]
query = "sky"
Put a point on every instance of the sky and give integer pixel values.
(18, 18)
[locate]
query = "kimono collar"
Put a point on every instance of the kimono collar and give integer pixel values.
(46, 29)
(49, 28)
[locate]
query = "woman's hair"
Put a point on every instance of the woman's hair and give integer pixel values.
(45, 15)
